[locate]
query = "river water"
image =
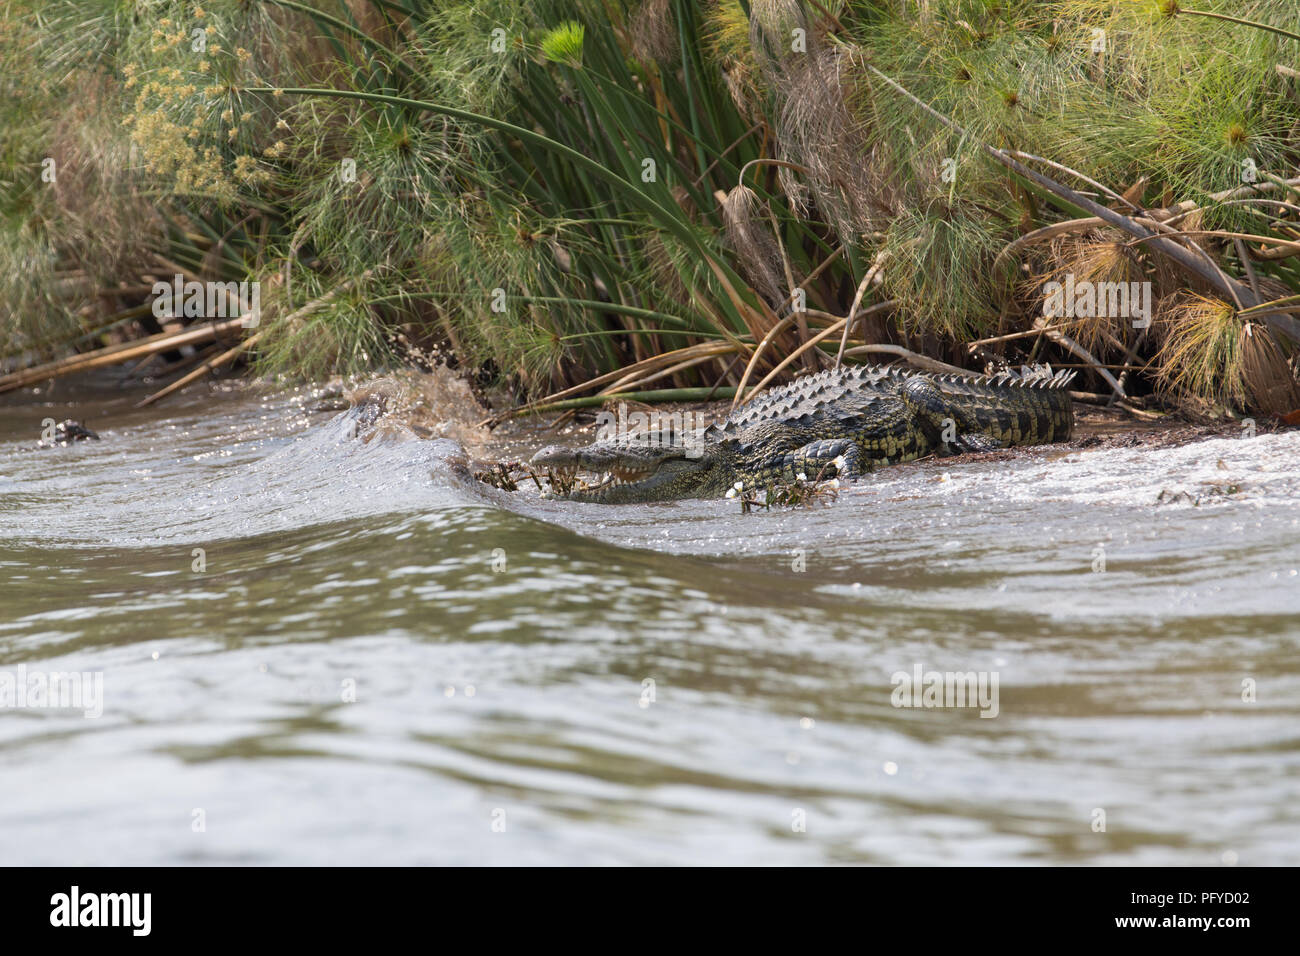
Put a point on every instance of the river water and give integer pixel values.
(325, 650)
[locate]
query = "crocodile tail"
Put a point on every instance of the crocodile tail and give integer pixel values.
(1033, 407)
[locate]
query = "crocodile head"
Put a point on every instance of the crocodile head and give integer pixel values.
(630, 472)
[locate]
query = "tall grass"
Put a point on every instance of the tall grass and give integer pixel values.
(547, 192)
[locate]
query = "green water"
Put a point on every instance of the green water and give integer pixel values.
(378, 661)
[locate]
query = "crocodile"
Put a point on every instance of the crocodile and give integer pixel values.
(840, 423)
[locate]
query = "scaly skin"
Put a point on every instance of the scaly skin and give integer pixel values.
(833, 424)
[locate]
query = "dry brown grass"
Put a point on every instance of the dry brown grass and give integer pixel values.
(1201, 354)
(750, 236)
(1211, 354)
(653, 32)
(1096, 257)
(1270, 382)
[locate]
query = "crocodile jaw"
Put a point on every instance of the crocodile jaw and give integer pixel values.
(625, 477)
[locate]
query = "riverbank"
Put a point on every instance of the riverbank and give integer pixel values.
(441, 403)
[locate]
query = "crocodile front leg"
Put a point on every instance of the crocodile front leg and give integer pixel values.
(827, 458)
(949, 428)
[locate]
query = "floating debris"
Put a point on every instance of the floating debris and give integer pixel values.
(1210, 492)
(67, 432)
(506, 476)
